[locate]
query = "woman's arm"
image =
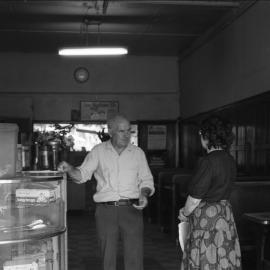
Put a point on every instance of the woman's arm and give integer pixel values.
(190, 205)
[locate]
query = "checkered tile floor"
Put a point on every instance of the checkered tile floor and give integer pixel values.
(161, 253)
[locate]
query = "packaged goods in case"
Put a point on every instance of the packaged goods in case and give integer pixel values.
(35, 196)
(32, 222)
(29, 260)
(21, 266)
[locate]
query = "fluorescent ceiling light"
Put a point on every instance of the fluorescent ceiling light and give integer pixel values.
(93, 51)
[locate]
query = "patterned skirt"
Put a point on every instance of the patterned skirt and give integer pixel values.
(212, 243)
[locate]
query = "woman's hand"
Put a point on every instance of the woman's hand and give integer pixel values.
(182, 216)
(190, 205)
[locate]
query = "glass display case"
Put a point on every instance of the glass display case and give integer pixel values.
(33, 221)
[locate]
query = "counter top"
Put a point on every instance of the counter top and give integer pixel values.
(32, 176)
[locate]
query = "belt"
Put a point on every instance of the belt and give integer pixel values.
(122, 202)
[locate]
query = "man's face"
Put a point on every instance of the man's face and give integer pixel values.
(121, 133)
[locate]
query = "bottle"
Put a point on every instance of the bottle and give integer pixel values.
(55, 149)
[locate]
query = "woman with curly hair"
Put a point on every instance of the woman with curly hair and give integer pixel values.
(212, 242)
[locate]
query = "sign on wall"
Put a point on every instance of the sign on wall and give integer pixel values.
(157, 136)
(98, 110)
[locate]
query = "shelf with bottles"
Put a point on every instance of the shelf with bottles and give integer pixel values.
(42, 254)
(32, 206)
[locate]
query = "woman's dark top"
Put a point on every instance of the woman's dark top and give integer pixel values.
(213, 177)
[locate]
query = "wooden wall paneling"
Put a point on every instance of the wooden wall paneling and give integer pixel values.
(233, 147)
(250, 142)
(261, 138)
(190, 145)
(171, 143)
(251, 125)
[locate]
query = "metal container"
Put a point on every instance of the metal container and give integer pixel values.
(44, 157)
(26, 157)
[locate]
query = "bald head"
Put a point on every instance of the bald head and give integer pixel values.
(119, 130)
(114, 121)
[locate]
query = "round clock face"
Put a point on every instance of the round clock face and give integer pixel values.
(81, 74)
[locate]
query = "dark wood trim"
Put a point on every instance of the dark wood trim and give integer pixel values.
(93, 93)
(263, 97)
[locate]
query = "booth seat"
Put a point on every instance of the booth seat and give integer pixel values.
(249, 197)
(163, 196)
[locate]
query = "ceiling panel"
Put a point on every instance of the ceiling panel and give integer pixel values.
(163, 28)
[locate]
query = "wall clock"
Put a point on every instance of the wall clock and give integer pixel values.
(81, 74)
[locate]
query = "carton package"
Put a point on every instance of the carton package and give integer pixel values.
(8, 153)
(38, 258)
(36, 261)
(10, 265)
(35, 196)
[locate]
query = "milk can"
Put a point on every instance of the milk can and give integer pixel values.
(44, 156)
(26, 157)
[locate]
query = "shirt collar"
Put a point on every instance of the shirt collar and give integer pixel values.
(110, 146)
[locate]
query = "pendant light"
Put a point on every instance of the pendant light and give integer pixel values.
(92, 51)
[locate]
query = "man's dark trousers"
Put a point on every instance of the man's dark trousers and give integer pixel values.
(112, 221)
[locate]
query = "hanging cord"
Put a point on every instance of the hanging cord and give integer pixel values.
(84, 25)
(99, 37)
(86, 32)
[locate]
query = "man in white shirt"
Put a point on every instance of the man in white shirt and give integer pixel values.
(124, 183)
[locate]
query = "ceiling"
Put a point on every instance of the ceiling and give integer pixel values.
(158, 28)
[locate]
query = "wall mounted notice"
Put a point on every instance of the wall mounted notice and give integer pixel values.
(157, 136)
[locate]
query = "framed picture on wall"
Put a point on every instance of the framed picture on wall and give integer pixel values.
(98, 110)
(157, 137)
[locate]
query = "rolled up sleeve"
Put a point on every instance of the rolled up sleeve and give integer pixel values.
(89, 165)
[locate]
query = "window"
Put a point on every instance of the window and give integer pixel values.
(85, 136)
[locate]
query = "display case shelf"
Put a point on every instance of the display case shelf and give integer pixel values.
(33, 221)
(37, 236)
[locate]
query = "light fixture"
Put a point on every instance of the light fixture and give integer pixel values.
(89, 50)
(94, 51)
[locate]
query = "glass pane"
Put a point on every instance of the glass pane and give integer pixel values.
(83, 137)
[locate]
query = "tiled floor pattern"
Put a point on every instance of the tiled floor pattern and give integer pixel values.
(160, 252)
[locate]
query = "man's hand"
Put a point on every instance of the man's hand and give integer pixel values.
(143, 201)
(73, 172)
(143, 198)
(64, 167)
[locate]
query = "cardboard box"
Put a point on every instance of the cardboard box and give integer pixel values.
(10, 265)
(36, 196)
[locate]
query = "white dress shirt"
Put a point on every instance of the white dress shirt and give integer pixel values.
(118, 176)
